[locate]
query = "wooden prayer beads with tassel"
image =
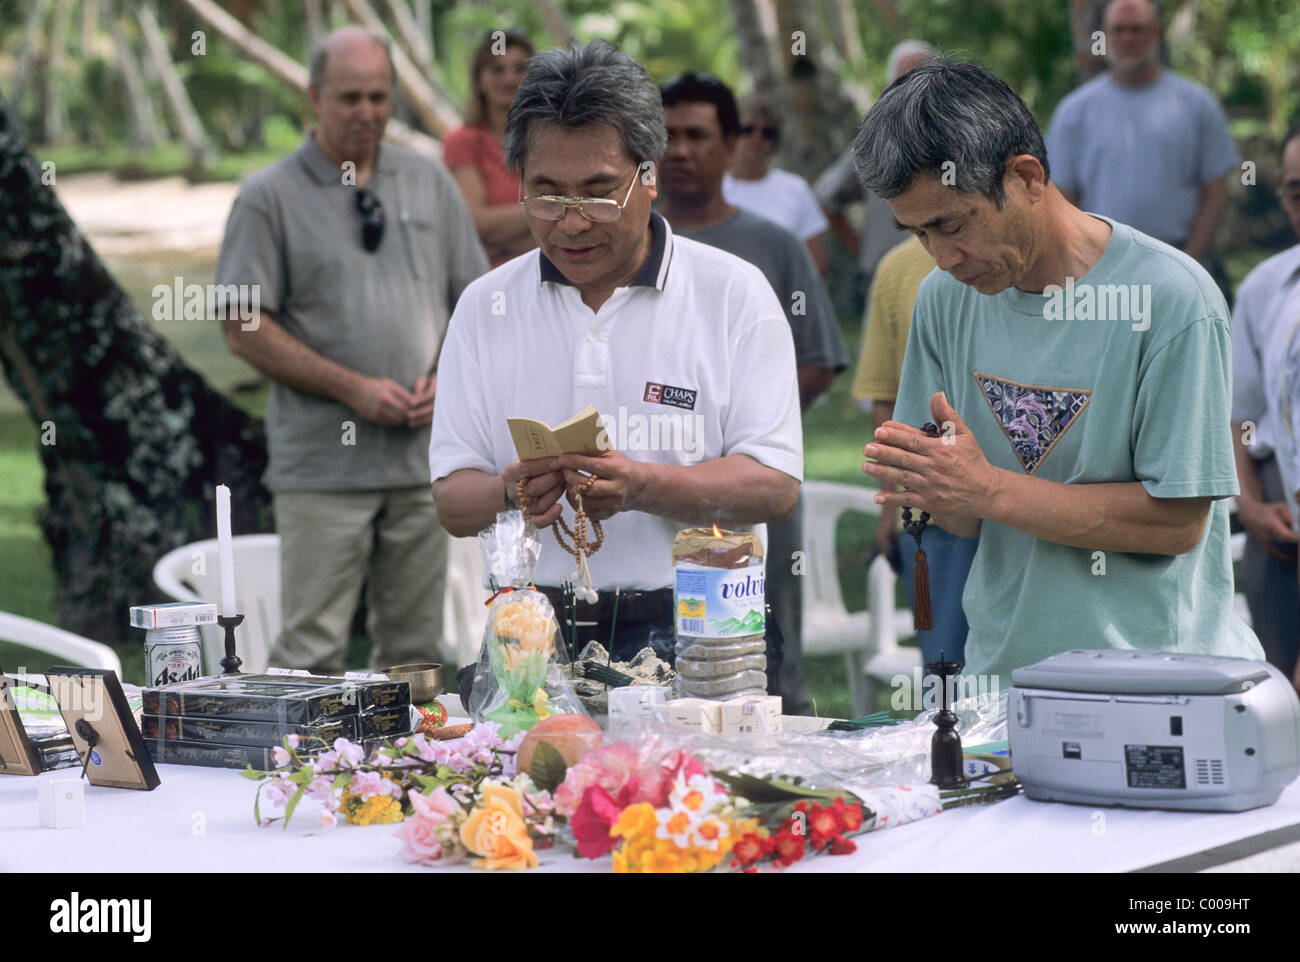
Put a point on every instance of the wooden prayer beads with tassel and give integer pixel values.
(923, 619)
(581, 548)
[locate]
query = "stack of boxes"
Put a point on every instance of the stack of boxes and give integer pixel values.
(234, 721)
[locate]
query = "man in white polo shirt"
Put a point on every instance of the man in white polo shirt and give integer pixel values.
(683, 348)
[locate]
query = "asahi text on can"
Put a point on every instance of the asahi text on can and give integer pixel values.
(172, 655)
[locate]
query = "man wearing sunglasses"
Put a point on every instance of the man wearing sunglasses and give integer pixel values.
(683, 349)
(358, 252)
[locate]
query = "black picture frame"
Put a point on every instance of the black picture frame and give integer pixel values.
(94, 707)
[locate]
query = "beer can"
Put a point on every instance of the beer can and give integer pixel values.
(172, 655)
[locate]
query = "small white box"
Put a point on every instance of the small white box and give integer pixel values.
(61, 802)
(695, 714)
(742, 716)
(178, 614)
(635, 704)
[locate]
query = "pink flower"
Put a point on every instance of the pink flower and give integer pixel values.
(599, 810)
(326, 820)
(420, 835)
(279, 791)
(350, 755)
(611, 768)
(366, 784)
(292, 740)
(279, 756)
(321, 789)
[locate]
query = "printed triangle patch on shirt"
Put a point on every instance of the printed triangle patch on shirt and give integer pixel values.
(1033, 417)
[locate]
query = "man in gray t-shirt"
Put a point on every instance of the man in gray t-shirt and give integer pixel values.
(353, 254)
(702, 120)
(1141, 144)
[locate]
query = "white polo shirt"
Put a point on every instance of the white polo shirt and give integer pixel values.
(693, 361)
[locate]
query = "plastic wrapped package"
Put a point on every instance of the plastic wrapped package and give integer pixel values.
(518, 679)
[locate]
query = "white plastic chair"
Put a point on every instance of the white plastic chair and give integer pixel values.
(867, 639)
(55, 641)
(192, 572)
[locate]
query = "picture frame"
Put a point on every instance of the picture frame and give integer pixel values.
(103, 728)
(18, 756)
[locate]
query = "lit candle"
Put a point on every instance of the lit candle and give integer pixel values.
(226, 549)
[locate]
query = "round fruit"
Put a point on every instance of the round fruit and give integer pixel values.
(570, 735)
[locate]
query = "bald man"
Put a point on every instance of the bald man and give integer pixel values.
(353, 253)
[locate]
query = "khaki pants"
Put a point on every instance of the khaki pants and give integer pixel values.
(333, 542)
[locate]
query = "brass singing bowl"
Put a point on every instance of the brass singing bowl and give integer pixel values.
(426, 680)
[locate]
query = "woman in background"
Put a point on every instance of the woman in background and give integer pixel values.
(475, 155)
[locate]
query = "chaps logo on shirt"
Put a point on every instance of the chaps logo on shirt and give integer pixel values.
(678, 397)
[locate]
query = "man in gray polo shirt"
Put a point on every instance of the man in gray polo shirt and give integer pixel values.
(357, 254)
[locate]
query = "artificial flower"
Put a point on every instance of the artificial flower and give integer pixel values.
(592, 822)
(496, 830)
(424, 834)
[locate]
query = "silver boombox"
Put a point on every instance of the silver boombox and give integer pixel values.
(1153, 729)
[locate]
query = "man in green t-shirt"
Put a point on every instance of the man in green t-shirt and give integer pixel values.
(1079, 372)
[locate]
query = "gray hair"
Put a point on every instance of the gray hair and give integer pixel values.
(906, 51)
(322, 48)
(945, 111)
(584, 85)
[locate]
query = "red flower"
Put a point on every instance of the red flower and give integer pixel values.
(850, 816)
(749, 849)
(823, 824)
(843, 846)
(596, 814)
(787, 847)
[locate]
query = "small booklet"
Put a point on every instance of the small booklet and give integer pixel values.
(580, 434)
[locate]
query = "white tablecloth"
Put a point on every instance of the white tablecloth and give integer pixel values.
(201, 820)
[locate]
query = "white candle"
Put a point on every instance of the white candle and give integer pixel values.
(226, 548)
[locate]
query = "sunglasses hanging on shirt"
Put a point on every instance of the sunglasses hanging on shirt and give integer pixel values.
(372, 219)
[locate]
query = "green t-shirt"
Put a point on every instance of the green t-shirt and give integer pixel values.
(1124, 376)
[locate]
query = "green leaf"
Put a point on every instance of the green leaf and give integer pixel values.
(293, 803)
(253, 775)
(771, 790)
(548, 768)
(341, 781)
(428, 783)
(257, 806)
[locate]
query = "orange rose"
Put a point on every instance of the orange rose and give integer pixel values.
(496, 830)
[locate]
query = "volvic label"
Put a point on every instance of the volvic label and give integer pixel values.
(719, 602)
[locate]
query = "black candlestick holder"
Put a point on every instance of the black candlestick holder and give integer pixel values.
(230, 664)
(945, 746)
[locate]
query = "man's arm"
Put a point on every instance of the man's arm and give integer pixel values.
(279, 355)
(468, 500)
(734, 489)
(950, 478)
(817, 251)
(1214, 198)
(814, 381)
(1265, 520)
(501, 225)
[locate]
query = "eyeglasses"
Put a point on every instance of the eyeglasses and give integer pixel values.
(372, 219)
(768, 133)
(597, 210)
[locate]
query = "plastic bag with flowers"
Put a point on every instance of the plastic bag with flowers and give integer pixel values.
(518, 680)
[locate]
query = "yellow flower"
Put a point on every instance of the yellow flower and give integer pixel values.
(496, 830)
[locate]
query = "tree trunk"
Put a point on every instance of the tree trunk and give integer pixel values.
(55, 122)
(183, 114)
(132, 441)
(146, 131)
(315, 22)
(755, 49)
(413, 42)
(254, 48)
(816, 127)
(27, 55)
(557, 23)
